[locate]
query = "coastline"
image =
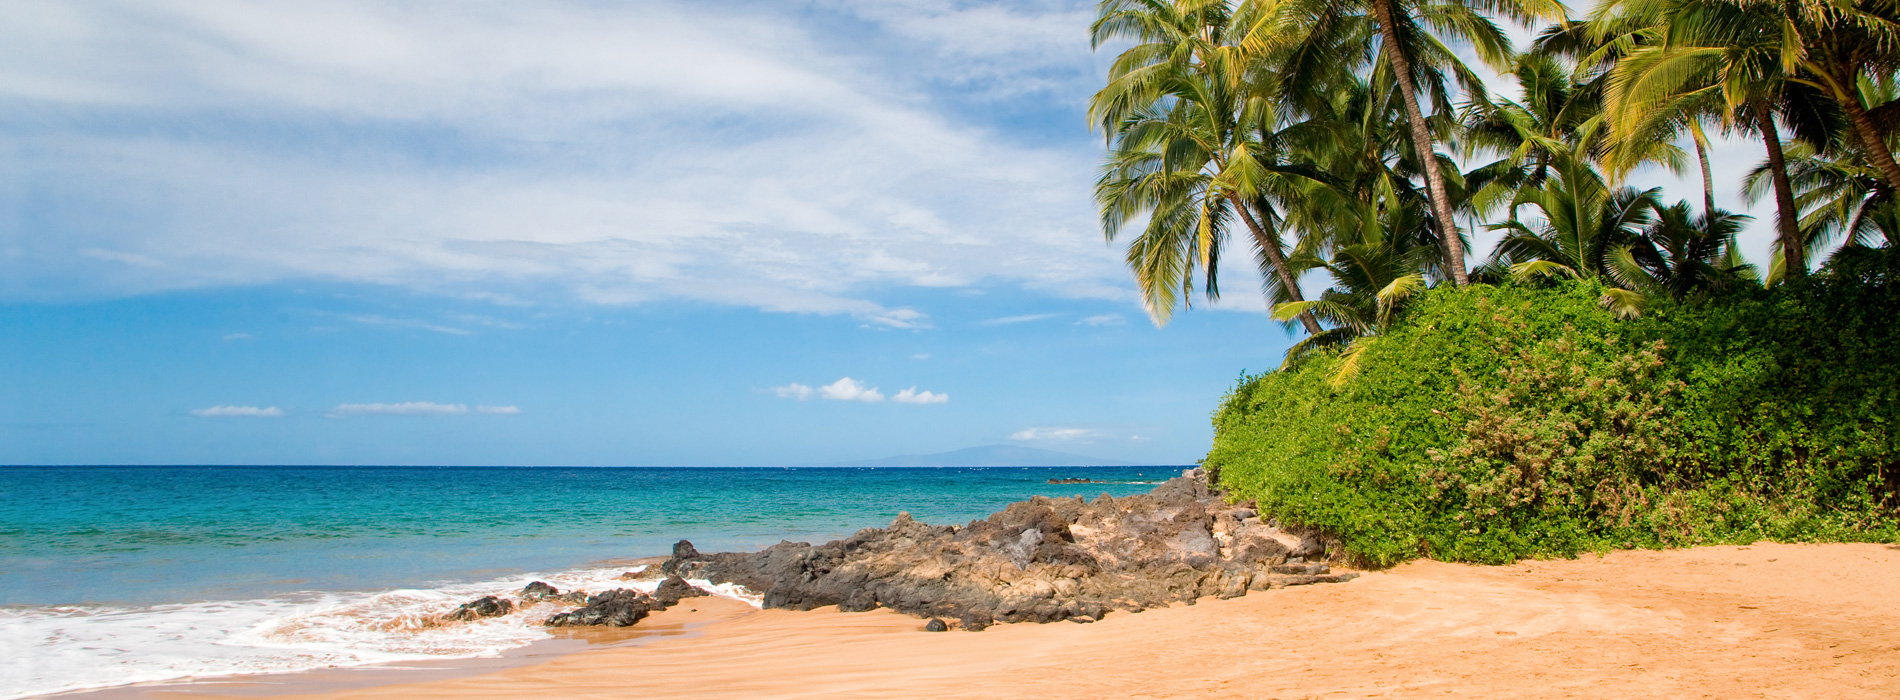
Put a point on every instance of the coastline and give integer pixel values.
(1725, 621)
(682, 622)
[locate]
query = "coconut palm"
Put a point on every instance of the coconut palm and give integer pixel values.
(1667, 82)
(1594, 47)
(1582, 221)
(1185, 130)
(1681, 253)
(1844, 200)
(1413, 37)
(1371, 280)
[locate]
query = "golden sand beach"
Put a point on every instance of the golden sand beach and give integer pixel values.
(1768, 620)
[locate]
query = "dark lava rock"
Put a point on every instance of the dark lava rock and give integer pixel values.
(485, 606)
(975, 621)
(683, 553)
(673, 589)
(538, 592)
(616, 608)
(1039, 560)
(936, 625)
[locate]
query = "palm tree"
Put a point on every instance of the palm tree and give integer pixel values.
(1595, 46)
(1681, 253)
(1411, 36)
(1184, 129)
(1670, 81)
(1373, 275)
(1583, 221)
(1845, 200)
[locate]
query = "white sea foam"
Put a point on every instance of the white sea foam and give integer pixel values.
(50, 650)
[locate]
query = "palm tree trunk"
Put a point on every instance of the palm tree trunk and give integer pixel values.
(1270, 246)
(1702, 156)
(1794, 261)
(1870, 140)
(1422, 140)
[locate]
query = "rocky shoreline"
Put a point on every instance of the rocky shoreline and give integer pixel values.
(1040, 560)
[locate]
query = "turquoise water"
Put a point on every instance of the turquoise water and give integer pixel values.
(156, 535)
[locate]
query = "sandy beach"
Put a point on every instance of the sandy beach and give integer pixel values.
(1768, 620)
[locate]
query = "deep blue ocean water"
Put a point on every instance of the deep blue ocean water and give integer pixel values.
(151, 535)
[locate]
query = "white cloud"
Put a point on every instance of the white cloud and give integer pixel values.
(848, 389)
(387, 322)
(1041, 433)
(407, 408)
(1025, 318)
(793, 390)
(1103, 320)
(912, 395)
(238, 412)
(920, 356)
(499, 410)
(507, 149)
(904, 318)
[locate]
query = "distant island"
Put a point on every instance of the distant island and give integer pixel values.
(985, 456)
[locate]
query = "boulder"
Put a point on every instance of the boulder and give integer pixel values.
(936, 625)
(485, 606)
(616, 608)
(683, 553)
(538, 592)
(673, 589)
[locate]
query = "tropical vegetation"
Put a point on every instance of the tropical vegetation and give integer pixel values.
(1612, 371)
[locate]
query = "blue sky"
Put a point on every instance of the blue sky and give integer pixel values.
(577, 233)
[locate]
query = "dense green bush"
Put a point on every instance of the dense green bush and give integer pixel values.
(1494, 423)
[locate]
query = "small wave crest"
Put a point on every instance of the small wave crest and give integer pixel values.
(55, 649)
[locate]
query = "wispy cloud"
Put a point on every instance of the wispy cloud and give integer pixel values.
(239, 336)
(407, 408)
(418, 408)
(902, 318)
(1008, 320)
(1103, 320)
(912, 395)
(793, 390)
(387, 322)
(868, 178)
(1051, 434)
(238, 412)
(848, 389)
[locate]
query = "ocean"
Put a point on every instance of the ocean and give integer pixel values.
(116, 575)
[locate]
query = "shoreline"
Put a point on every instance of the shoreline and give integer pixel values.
(684, 622)
(1809, 620)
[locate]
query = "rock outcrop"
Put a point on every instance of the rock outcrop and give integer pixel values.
(623, 607)
(541, 592)
(619, 607)
(1039, 560)
(485, 606)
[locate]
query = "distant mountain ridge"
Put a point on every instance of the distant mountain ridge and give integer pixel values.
(985, 456)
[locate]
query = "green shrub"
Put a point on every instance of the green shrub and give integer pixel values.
(1495, 423)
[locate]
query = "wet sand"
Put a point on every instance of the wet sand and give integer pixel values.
(1769, 620)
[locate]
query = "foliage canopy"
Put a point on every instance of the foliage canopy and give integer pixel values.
(1491, 423)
